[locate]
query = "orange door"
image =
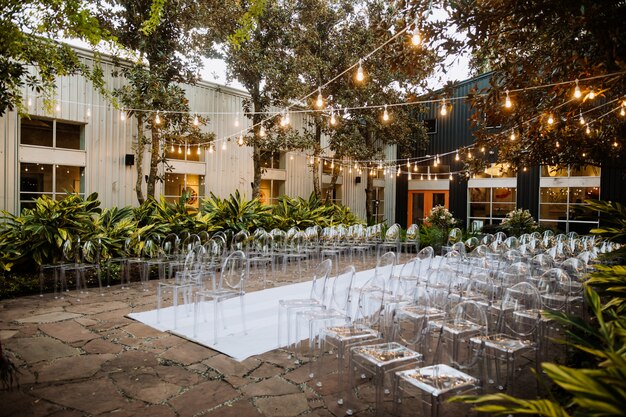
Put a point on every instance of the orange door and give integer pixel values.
(421, 202)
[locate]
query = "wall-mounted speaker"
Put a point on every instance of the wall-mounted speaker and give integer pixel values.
(357, 180)
(129, 160)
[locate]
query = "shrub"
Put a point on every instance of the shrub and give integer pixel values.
(517, 222)
(441, 217)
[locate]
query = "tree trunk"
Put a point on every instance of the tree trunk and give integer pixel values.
(316, 163)
(333, 182)
(154, 161)
(369, 197)
(141, 145)
(257, 118)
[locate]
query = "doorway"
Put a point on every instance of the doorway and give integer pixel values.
(421, 202)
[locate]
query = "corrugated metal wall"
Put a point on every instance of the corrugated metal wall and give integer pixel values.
(108, 140)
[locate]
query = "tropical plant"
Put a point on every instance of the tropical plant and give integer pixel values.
(235, 212)
(289, 212)
(517, 222)
(8, 370)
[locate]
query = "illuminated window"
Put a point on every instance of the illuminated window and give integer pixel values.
(176, 184)
(55, 181)
(563, 208)
(273, 160)
(271, 190)
(491, 204)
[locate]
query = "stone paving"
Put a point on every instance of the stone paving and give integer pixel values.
(79, 358)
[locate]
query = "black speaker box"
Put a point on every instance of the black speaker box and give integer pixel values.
(357, 180)
(129, 160)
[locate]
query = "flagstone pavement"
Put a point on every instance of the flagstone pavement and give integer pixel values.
(79, 358)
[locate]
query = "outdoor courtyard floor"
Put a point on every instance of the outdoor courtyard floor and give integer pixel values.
(85, 357)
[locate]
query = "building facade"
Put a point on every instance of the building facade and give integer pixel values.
(83, 145)
(553, 195)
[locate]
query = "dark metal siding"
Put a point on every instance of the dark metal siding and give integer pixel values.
(613, 185)
(453, 132)
(528, 190)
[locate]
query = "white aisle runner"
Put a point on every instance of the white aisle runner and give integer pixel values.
(260, 318)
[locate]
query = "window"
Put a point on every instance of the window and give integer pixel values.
(273, 160)
(379, 204)
(563, 191)
(271, 190)
(176, 184)
(564, 208)
(497, 171)
(334, 192)
(491, 203)
(55, 181)
(184, 152)
(51, 134)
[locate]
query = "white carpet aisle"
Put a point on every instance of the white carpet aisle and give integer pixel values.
(261, 320)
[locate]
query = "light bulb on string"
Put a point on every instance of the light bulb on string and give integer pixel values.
(122, 115)
(482, 149)
(240, 141)
(469, 154)
(622, 112)
(415, 168)
(196, 122)
(429, 177)
(332, 164)
(437, 160)
(262, 131)
(333, 119)
(550, 120)
(291, 157)
(223, 145)
(557, 144)
(577, 93)
(581, 119)
(211, 149)
(416, 39)
(88, 111)
(319, 103)
(450, 177)
(591, 94)
(157, 119)
(172, 150)
(188, 149)
(524, 169)
(380, 164)
(512, 134)
(198, 151)
(350, 170)
(29, 103)
(180, 149)
(408, 164)
(360, 76)
(615, 144)
(398, 172)
(385, 114)
(588, 130)
(410, 176)
(457, 157)
(422, 177)
(507, 101)
(312, 160)
(444, 107)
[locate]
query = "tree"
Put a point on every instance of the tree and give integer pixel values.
(537, 43)
(264, 64)
(392, 75)
(169, 37)
(28, 29)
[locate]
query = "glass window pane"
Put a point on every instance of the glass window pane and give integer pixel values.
(36, 132)
(479, 210)
(480, 194)
(35, 180)
(193, 187)
(553, 171)
(501, 209)
(553, 211)
(504, 195)
(266, 191)
(553, 195)
(174, 184)
(578, 195)
(69, 180)
(585, 171)
(68, 136)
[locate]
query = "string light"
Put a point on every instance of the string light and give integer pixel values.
(240, 141)
(615, 144)
(262, 131)
(524, 169)
(332, 164)
(196, 122)
(385, 114)
(180, 150)
(319, 103)
(188, 149)
(88, 111)
(581, 119)
(359, 72)
(408, 164)
(429, 178)
(30, 103)
(198, 151)
(588, 130)
(333, 119)
(550, 120)
(444, 109)
(58, 108)
(398, 172)
(507, 101)
(224, 145)
(512, 134)
(291, 157)
(469, 154)
(415, 168)
(450, 178)
(312, 160)
(482, 149)
(211, 149)
(157, 119)
(416, 39)
(557, 144)
(172, 150)
(577, 93)
(622, 112)
(123, 116)
(457, 157)
(591, 95)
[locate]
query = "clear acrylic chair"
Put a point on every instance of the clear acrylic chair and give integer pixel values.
(454, 236)
(260, 256)
(514, 342)
(80, 258)
(455, 368)
(231, 284)
(287, 308)
(184, 283)
(391, 242)
(412, 241)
